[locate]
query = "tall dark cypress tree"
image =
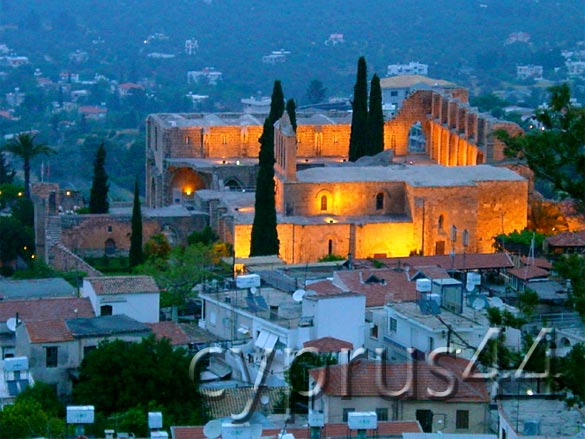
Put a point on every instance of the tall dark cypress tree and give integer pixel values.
(375, 118)
(358, 141)
(98, 197)
(264, 240)
(291, 110)
(136, 254)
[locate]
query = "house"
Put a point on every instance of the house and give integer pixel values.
(33, 310)
(56, 348)
(135, 296)
(529, 72)
(127, 88)
(92, 112)
(412, 68)
(36, 288)
(566, 242)
(395, 89)
(436, 395)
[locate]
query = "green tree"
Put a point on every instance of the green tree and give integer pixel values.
(206, 236)
(375, 118)
(15, 240)
(136, 254)
(181, 272)
(358, 140)
(6, 173)
(297, 377)
(119, 376)
(291, 110)
(572, 268)
(98, 197)
(25, 147)
(572, 374)
(264, 240)
(316, 92)
(157, 246)
(555, 153)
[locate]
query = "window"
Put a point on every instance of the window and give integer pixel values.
(330, 247)
(380, 201)
(393, 93)
(345, 413)
(109, 229)
(462, 419)
(374, 331)
(223, 139)
(425, 419)
(106, 310)
(323, 202)
(382, 414)
(392, 324)
(52, 356)
(441, 223)
(187, 140)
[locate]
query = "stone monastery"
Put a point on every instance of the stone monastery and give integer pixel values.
(451, 195)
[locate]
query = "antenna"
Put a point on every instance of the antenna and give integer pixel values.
(12, 323)
(478, 304)
(298, 295)
(212, 429)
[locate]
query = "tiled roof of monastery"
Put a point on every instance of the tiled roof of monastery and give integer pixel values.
(123, 284)
(567, 239)
(402, 81)
(470, 261)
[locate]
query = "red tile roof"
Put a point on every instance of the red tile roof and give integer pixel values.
(170, 330)
(528, 272)
(48, 331)
(50, 308)
(385, 428)
(567, 239)
(323, 287)
(378, 285)
(539, 262)
(359, 379)
(123, 284)
(90, 109)
(328, 344)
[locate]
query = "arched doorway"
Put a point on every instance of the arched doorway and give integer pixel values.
(110, 247)
(233, 184)
(183, 185)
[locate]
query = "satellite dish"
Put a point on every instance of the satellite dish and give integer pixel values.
(256, 430)
(469, 286)
(298, 295)
(497, 303)
(212, 429)
(478, 304)
(11, 324)
(264, 399)
(254, 290)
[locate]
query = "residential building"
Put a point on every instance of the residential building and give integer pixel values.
(134, 296)
(412, 68)
(435, 395)
(529, 72)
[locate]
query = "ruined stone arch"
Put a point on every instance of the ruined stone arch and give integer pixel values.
(110, 247)
(564, 342)
(324, 201)
(233, 184)
(417, 139)
(183, 183)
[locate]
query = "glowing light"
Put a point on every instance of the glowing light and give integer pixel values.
(188, 191)
(330, 220)
(529, 392)
(237, 163)
(25, 248)
(32, 256)
(68, 193)
(20, 194)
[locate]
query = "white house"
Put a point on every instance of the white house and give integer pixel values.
(135, 296)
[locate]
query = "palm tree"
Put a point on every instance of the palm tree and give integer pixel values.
(24, 146)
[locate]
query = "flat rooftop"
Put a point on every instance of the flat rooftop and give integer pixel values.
(419, 175)
(469, 319)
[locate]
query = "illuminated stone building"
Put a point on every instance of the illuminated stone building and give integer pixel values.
(398, 202)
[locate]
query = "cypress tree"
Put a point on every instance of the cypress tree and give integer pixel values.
(264, 240)
(375, 118)
(98, 197)
(358, 141)
(136, 254)
(291, 109)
